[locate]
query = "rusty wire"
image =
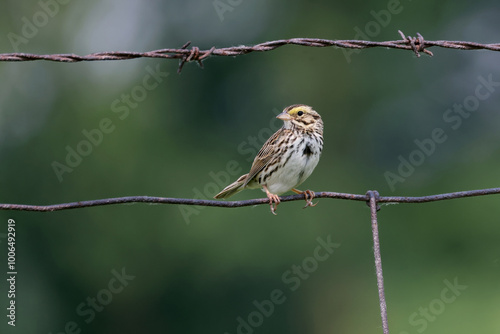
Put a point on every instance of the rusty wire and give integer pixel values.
(194, 54)
(373, 198)
(250, 202)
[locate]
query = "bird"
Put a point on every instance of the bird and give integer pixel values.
(286, 159)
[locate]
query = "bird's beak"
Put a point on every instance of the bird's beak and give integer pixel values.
(284, 116)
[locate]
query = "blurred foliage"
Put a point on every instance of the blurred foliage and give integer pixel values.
(203, 273)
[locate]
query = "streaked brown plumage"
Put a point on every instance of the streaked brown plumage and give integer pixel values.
(286, 159)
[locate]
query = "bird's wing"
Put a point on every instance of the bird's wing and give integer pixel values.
(266, 154)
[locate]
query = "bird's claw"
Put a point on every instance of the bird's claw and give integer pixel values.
(273, 199)
(309, 195)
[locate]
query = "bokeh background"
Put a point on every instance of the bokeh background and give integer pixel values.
(204, 269)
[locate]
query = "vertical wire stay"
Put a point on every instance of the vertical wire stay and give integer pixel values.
(373, 195)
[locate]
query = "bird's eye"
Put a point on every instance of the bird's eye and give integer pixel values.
(300, 113)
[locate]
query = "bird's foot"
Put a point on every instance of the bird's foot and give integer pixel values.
(309, 196)
(274, 200)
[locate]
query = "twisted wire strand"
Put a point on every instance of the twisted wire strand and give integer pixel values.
(236, 204)
(372, 203)
(416, 44)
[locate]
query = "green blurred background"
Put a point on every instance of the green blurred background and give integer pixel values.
(204, 269)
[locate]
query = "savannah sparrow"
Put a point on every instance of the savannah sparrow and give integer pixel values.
(286, 159)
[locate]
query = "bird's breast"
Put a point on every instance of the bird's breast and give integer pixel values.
(296, 165)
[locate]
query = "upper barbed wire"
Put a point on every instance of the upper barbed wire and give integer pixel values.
(416, 44)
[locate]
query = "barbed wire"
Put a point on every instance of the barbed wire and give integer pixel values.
(194, 54)
(250, 202)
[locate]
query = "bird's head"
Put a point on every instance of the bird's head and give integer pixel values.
(302, 117)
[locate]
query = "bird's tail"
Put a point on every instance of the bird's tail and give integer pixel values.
(233, 188)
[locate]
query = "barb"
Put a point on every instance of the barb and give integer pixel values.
(374, 196)
(237, 204)
(416, 44)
